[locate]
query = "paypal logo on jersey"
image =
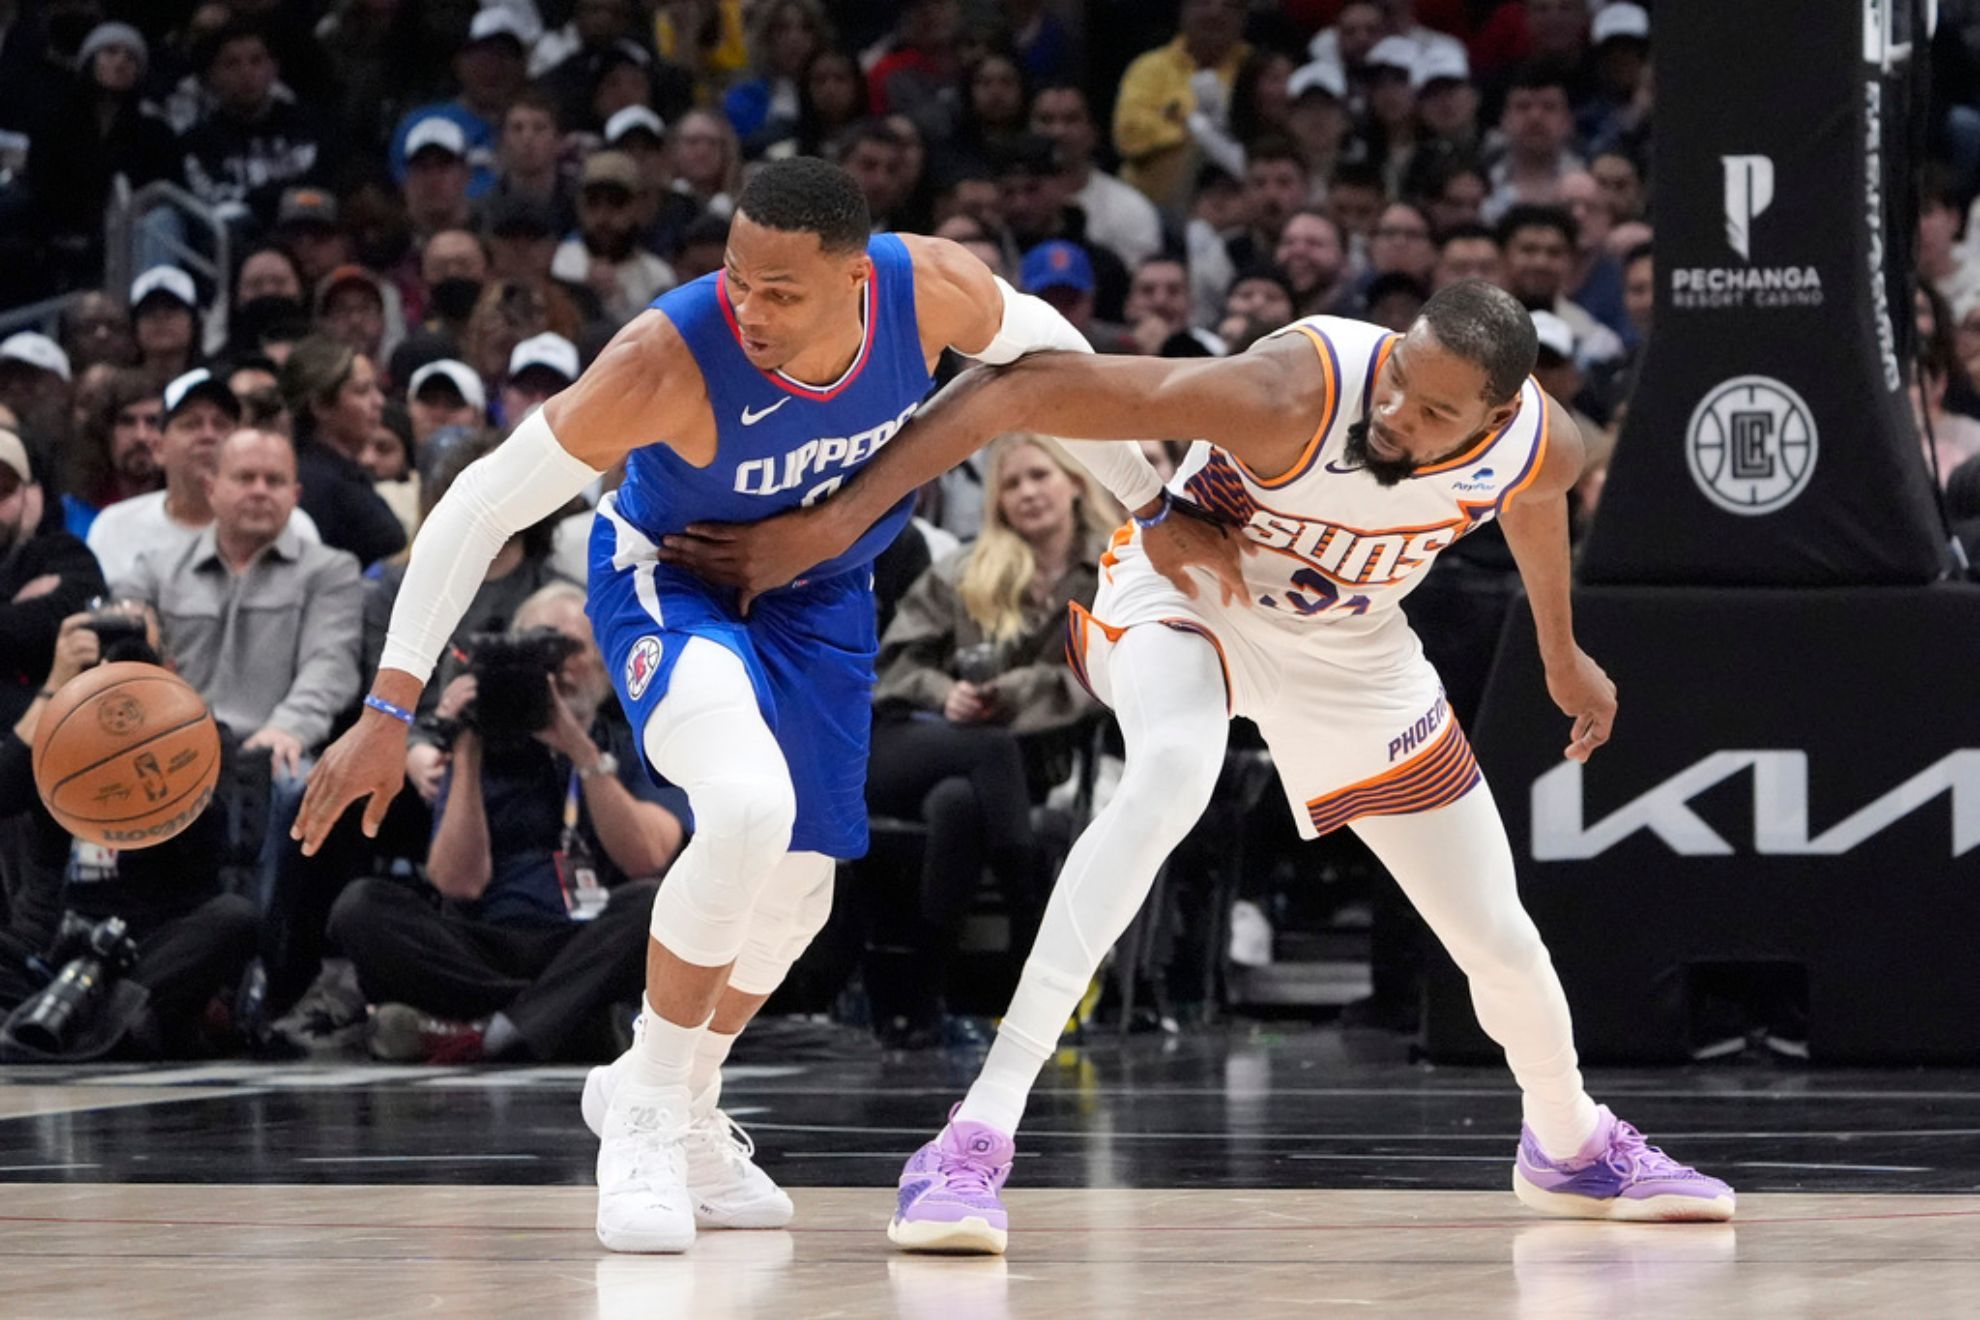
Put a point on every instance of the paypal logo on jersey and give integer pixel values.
(774, 475)
(1480, 480)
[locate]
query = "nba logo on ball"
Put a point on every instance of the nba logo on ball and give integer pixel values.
(1752, 445)
(642, 665)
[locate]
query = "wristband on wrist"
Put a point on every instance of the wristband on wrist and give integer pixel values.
(399, 713)
(1160, 516)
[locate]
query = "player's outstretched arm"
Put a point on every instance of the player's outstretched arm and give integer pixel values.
(1535, 521)
(551, 456)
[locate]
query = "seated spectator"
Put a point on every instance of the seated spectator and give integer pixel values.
(1162, 86)
(1612, 109)
(193, 940)
(876, 156)
(453, 268)
(165, 321)
(1355, 198)
(95, 328)
(1260, 301)
(333, 394)
(1468, 252)
(539, 368)
(1318, 123)
(490, 69)
(604, 36)
(253, 143)
(1454, 194)
(1388, 79)
(706, 37)
(36, 387)
(1538, 127)
(784, 37)
(1363, 23)
(257, 383)
(1060, 273)
(1596, 281)
(544, 862)
(1275, 185)
(707, 162)
(1559, 373)
(1034, 209)
(1215, 218)
(1313, 254)
(389, 458)
(268, 292)
(116, 452)
(45, 575)
(197, 413)
(522, 249)
(444, 393)
(1622, 184)
(973, 661)
(1447, 101)
(351, 310)
(437, 177)
(1640, 290)
(994, 104)
(606, 256)
(1158, 312)
(832, 99)
(1117, 216)
(307, 228)
(528, 160)
(1539, 246)
(664, 215)
(1949, 438)
(1394, 299)
(703, 247)
(916, 72)
(509, 312)
(1943, 257)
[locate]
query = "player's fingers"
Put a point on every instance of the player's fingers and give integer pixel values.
(374, 812)
(709, 531)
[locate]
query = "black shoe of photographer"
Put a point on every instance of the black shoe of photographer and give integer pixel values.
(329, 1021)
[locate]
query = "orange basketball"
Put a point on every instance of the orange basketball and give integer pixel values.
(126, 755)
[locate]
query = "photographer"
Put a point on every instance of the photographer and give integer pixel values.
(192, 939)
(548, 842)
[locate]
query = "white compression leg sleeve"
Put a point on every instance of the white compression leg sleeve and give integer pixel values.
(790, 910)
(1170, 700)
(709, 738)
(1456, 866)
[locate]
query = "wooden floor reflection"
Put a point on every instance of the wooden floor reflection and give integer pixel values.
(140, 1251)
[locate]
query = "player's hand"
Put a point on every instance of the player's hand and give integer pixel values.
(1587, 695)
(966, 704)
(285, 750)
(1184, 541)
(77, 647)
(753, 557)
(369, 761)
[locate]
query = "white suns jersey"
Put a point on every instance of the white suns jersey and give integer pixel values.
(1337, 549)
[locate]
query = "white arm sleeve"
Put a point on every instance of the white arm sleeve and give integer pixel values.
(1031, 324)
(528, 477)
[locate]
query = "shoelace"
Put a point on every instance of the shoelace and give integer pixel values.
(735, 1145)
(653, 1145)
(963, 1173)
(1634, 1158)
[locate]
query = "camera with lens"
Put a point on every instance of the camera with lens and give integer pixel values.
(91, 956)
(120, 634)
(512, 700)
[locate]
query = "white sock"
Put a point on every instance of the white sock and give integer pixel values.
(1027, 1037)
(664, 1055)
(705, 1078)
(1562, 1127)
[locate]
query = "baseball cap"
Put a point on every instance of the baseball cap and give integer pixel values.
(1398, 53)
(37, 350)
(168, 280)
(306, 206)
(200, 383)
(438, 131)
(459, 373)
(1319, 76)
(1621, 21)
(633, 119)
(1555, 335)
(493, 24)
(1056, 264)
(1443, 63)
(14, 457)
(613, 168)
(104, 36)
(549, 350)
(341, 276)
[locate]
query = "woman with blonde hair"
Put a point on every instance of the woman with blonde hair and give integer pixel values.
(971, 668)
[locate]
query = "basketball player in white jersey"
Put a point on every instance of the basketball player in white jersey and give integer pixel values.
(1344, 458)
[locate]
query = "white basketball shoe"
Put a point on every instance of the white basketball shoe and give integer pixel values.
(643, 1200)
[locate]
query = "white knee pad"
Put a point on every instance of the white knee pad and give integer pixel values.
(790, 911)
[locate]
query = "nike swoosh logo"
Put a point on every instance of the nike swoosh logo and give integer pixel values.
(1342, 471)
(751, 418)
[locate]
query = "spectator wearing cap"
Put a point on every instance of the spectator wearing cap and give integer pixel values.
(46, 574)
(604, 77)
(197, 413)
(1447, 100)
(442, 394)
(489, 70)
(511, 311)
(1539, 245)
(1318, 122)
(1468, 252)
(1032, 193)
(606, 256)
(332, 392)
(252, 144)
(1596, 282)
(1557, 367)
(36, 387)
(308, 229)
(96, 328)
(1363, 23)
(1117, 216)
(1615, 109)
(784, 36)
(106, 130)
(1390, 79)
(1312, 252)
(1158, 311)
(539, 368)
(437, 177)
(115, 456)
(664, 213)
(350, 308)
(1537, 124)
(1260, 301)
(165, 321)
(1061, 273)
(1162, 87)
(528, 160)
(1275, 185)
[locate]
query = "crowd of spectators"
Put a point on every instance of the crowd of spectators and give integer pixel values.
(437, 213)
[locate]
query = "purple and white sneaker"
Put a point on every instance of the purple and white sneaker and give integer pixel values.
(1616, 1175)
(948, 1192)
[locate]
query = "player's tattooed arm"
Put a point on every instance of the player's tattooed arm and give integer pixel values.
(1535, 522)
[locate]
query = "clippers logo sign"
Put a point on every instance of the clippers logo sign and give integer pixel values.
(1751, 445)
(1749, 192)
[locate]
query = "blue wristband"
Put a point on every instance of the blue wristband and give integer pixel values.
(1161, 516)
(399, 713)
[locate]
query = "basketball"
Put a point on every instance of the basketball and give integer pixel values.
(126, 755)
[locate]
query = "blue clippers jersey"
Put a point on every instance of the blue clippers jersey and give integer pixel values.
(781, 443)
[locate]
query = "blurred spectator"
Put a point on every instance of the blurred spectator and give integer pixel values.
(1454, 194)
(1389, 78)
(1538, 129)
(1963, 507)
(1317, 123)
(116, 452)
(1640, 289)
(1158, 312)
(106, 131)
(916, 187)
(437, 176)
(995, 104)
(1596, 282)
(784, 37)
(256, 382)
(1539, 246)
(1558, 370)
(1215, 219)
(45, 576)
(917, 73)
(975, 660)
(1314, 257)
(350, 308)
(874, 154)
(707, 161)
(165, 321)
(1949, 438)
(1044, 47)
(442, 394)
(197, 414)
(306, 226)
(268, 272)
(1469, 252)
(453, 267)
(1260, 301)
(1447, 100)
(1261, 101)
(1394, 299)
(1117, 216)
(1943, 258)
(1356, 197)
(832, 98)
(392, 461)
(522, 250)
(538, 368)
(1622, 185)
(1061, 273)
(1275, 185)
(1613, 105)
(509, 312)
(702, 249)
(367, 45)
(490, 70)
(1401, 244)
(705, 37)
(612, 70)
(261, 622)
(543, 864)
(606, 256)
(253, 144)
(1362, 23)
(1163, 86)
(96, 328)
(527, 160)
(35, 386)
(332, 392)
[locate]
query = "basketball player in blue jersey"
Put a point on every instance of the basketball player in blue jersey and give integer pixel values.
(1344, 458)
(755, 390)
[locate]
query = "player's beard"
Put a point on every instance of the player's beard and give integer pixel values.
(1388, 471)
